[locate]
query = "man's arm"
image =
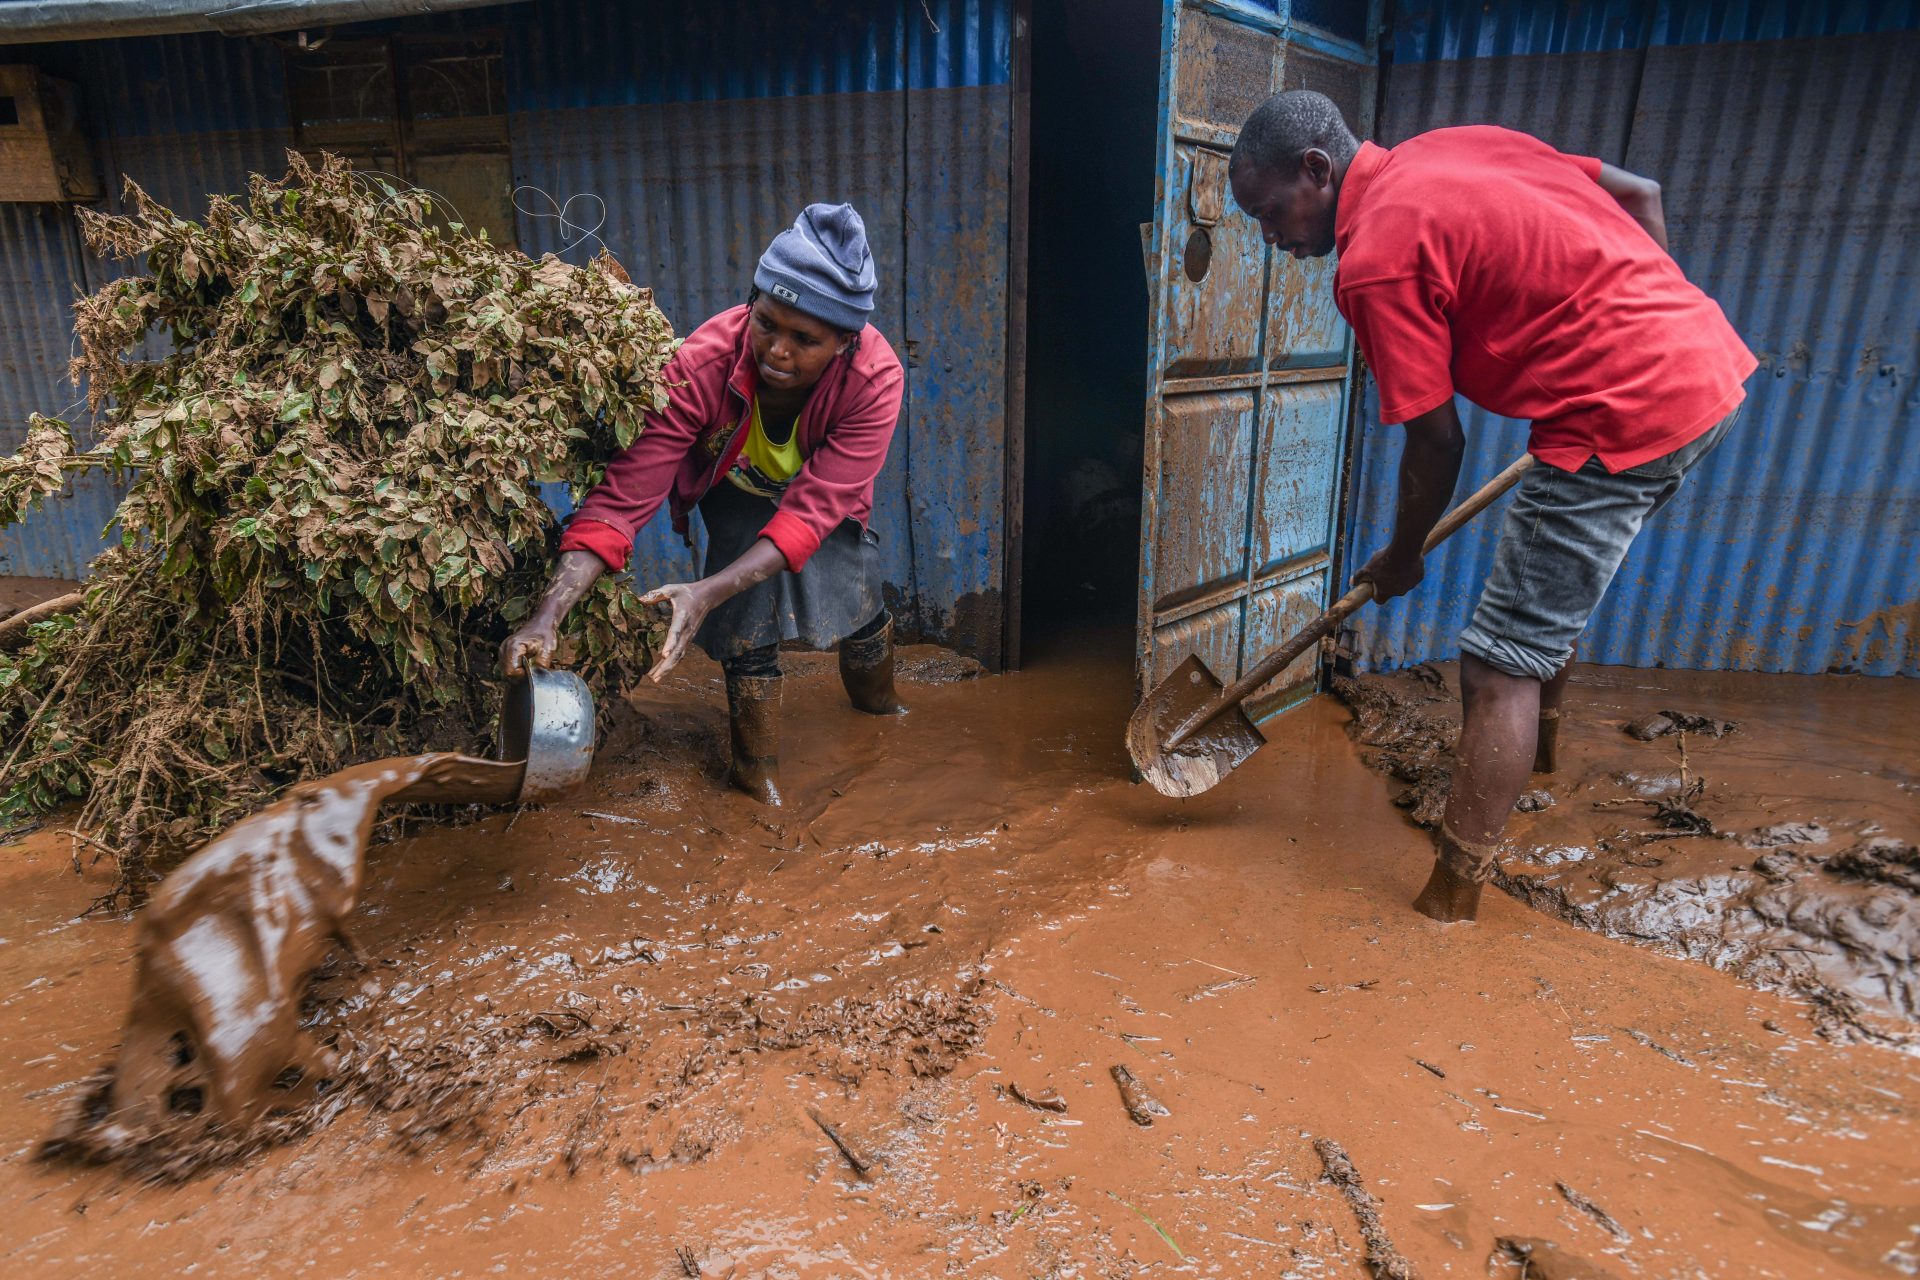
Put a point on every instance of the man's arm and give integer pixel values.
(1429, 470)
(1640, 197)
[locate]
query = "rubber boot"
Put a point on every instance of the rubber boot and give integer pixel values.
(1546, 747)
(753, 716)
(1460, 868)
(866, 669)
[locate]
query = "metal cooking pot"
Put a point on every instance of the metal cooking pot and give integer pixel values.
(546, 719)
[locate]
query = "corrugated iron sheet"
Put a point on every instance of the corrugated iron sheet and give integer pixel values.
(701, 130)
(186, 116)
(40, 275)
(1796, 546)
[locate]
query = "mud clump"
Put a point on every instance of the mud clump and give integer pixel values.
(1840, 930)
(1544, 1260)
(1408, 741)
(428, 1090)
(1662, 723)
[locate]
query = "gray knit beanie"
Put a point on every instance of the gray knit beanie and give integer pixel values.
(821, 265)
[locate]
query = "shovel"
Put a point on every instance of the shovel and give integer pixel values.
(1190, 732)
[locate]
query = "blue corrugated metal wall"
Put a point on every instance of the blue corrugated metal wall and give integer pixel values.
(704, 129)
(184, 115)
(1785, 137)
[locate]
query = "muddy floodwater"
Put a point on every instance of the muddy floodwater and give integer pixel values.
(975, 1004)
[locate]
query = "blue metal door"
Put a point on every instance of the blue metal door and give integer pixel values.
(1248, 361)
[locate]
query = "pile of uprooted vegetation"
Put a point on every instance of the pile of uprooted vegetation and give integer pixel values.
(331, 512)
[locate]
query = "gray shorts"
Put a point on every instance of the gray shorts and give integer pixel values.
(1564, 538)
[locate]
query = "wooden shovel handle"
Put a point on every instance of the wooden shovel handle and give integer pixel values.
(1280, 659)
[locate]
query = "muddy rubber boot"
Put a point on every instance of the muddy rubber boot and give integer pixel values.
(1460, 868)
(866, 669)
(753, 716)
(1546, 747)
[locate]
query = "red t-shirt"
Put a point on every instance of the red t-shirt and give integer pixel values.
(1482, 261)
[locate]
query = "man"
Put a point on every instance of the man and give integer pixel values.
(1481, 261)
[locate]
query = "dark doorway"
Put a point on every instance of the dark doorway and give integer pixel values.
(1093, 138)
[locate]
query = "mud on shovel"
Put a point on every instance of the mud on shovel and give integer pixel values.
(1190, 732)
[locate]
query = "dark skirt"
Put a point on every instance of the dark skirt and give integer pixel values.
(835, 594)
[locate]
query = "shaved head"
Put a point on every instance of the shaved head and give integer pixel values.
(1286, 170)
(1287, 126)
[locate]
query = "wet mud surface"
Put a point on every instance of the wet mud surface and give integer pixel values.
(1767, 829)
(658, 1031)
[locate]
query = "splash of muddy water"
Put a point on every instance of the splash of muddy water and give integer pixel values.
(226, 945)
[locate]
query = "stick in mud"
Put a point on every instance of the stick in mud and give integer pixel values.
(1594, 1211)
(1039, 1099)
(861, 1165)
(1647, 1040)
(1383, 1260)
(1141, 1106)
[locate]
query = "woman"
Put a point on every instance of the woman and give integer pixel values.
(780, 415)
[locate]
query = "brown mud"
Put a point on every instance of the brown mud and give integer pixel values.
(1768, 831)
(657, 1030)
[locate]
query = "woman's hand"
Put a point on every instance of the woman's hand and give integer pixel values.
(538, 638)
(692, 602)
(535, 643)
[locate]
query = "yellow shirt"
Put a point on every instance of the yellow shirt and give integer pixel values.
(763, 466)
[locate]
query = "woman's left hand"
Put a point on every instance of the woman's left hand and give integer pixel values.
(691, 603)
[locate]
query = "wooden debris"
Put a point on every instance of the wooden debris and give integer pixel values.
(1383, 1260)
(1041, 1099)
(1647, 1040)
(861, 1165)
(1141, 1105)
(1594, 1211)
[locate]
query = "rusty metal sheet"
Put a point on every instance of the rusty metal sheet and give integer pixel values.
(1248, 367)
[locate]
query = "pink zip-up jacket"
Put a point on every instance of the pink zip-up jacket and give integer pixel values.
(690, 445)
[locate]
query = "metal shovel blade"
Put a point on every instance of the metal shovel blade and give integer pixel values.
(1206, 755)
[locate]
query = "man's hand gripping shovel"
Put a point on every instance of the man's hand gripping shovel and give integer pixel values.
(1191, 731)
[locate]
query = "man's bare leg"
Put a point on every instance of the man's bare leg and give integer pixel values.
(1546, 751)
(1500, 720)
